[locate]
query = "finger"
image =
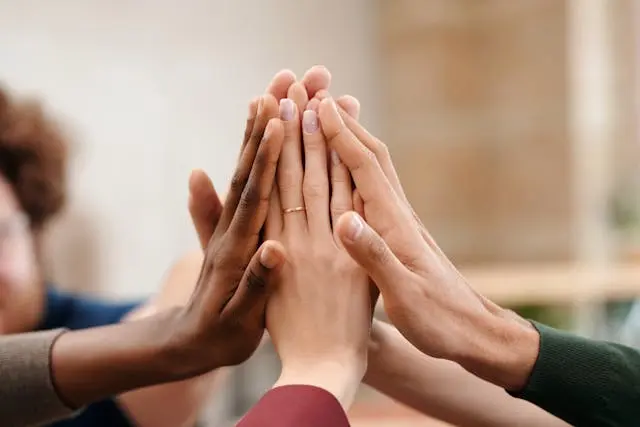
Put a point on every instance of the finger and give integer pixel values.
(248, 128)
(290, 173)
(358, 207)
(298, 95)
(341, 189)
(315, 79)
(370, 251)
(267, 109)
(275, 221)
(350, 105)
(279, 85)
(205, 206)
(347, 103)
(322, 94)
(349, 108)
(315, 187)
(378, 148)
(382, 205)
(254, 203)
(247, 304)
(358, 204)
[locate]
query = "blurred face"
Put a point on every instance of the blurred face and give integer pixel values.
(21, 291)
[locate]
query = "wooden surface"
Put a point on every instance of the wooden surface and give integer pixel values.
(557, 284)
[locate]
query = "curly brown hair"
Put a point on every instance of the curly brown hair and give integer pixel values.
(33, 158)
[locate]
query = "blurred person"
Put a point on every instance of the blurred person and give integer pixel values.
(46, 374)
(435, 387)
(33, 166)
(584, 382)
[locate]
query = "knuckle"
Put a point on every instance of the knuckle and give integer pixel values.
(315, 145)
(289, 180)
(314, 189)
(338, 211)
(367, 158)
(381, 149)
(250, 197)
(378, 251)
(333, 135)
(256, 282)
(238, 182)
(265, 157)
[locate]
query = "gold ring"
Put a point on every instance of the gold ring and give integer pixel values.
(291, 210)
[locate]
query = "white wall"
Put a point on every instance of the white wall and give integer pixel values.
(153, 89)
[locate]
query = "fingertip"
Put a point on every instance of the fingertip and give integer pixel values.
(350, 226)
(316, 78)
(274, 129)
(285, 74)
(269, 105)
(329, 110)
(272, 254)
(313, 105)
(280, 83)
(350, 105)
(323, 94)
(287, 109)
(199, 181)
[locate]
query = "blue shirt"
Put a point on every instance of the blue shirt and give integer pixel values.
(65, 310)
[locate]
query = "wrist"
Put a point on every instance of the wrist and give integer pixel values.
(340, 375)
(504, 350)
(117, 358)
(184, 351)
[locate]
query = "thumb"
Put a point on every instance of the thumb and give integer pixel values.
(248, 302)
(369, 250)
(205, 206)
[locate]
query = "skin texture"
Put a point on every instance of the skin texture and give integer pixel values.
(395, 367)
(434, 308)
(205, 207)
(223, 322)
(21, 285)
(319, 315)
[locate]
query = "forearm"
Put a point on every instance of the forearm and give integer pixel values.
(92, 364)
(175, 404)
(443, 389)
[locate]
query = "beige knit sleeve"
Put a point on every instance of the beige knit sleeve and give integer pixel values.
(27, 394)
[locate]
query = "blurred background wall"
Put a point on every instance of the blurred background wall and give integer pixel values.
(513, 125)
(152, 89)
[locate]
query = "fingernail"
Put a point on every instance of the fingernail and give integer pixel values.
(309, 121)
(286, 109)
(355, 227)
(335, 159)
(269, 257)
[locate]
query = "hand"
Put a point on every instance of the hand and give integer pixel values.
(205, 206)
(425, 296)
(224, 320)
(319, 315)
(227, 308)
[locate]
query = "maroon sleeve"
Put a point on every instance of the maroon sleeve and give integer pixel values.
(296, 405)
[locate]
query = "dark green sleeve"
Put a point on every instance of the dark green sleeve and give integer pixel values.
(585, 382)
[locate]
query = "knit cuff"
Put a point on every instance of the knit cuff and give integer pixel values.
(28, 394)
